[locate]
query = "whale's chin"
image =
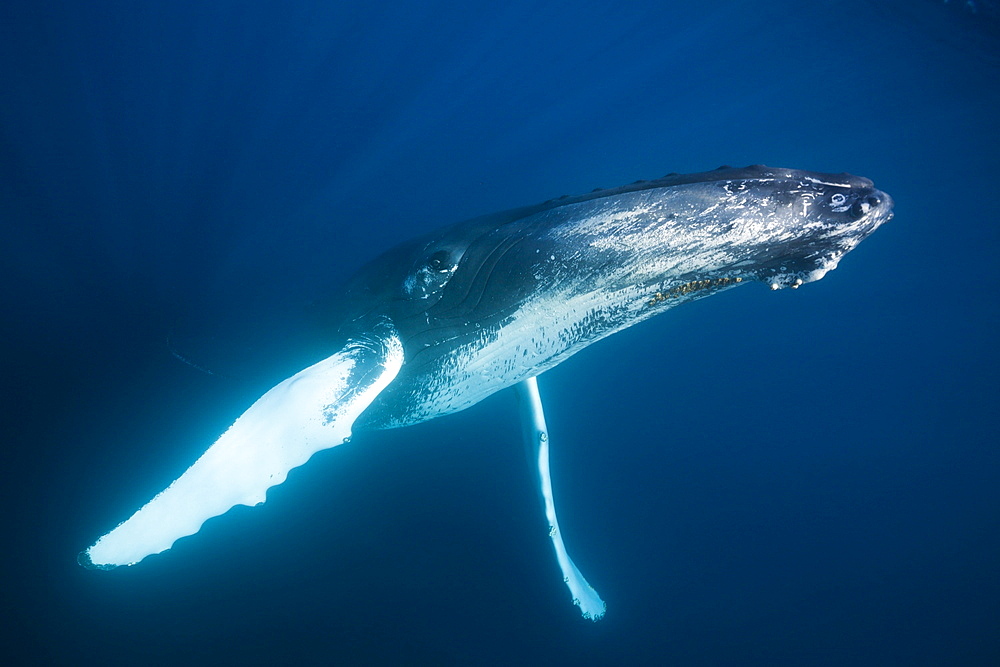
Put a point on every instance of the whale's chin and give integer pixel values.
(795, 278)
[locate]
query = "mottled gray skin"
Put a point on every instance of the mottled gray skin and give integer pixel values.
(486, 303)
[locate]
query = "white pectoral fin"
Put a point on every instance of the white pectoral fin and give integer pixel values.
(310, 411)
(533, 418)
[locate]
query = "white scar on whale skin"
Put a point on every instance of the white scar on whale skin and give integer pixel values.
(310, 411)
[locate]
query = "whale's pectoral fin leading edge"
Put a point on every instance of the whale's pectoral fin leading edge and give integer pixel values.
(310, 411)
(536, 434)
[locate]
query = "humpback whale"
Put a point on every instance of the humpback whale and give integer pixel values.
(439, 323)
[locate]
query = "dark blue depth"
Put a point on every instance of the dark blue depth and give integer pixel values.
(804, 477)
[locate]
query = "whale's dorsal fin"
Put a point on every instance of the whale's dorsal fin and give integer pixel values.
(537, 437)
(310, 411)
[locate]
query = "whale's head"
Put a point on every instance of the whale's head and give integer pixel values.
(792, 227)
(783, 227)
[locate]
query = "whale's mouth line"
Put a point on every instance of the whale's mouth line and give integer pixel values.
(776, 278)
(780, 276)
(707, 285)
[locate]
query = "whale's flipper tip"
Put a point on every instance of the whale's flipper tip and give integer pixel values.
(84, 559)
(592, 606)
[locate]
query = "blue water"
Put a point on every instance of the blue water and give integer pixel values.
(805, 477)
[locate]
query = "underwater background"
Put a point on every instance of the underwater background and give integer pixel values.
(806, 477)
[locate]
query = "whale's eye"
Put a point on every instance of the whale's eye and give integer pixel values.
(838, 199)
(431, 274)
(438, 261)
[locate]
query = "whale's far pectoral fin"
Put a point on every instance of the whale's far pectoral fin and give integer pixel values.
(533, 418)
(310, 411)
